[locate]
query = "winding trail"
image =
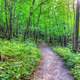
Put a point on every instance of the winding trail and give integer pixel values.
(51, 67)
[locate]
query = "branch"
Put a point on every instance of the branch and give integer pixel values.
(40, 4)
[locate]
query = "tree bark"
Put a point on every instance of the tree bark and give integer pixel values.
(5, 2)
(29, 20)
(10, 24)
(76, 29)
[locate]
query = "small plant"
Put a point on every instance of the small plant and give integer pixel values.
(17, 59)
(72, 60)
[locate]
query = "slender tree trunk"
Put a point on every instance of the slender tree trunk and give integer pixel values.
(6, 18)
(76, 29)
(36, 33)
(10, 24)
(29, 20)
(64, 41)
(15, 21)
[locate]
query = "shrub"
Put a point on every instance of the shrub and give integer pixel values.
(72, 60)
(76, 71)
(18, 59)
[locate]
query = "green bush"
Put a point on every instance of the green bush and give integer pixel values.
(18, 59)
(72, 60)
(76, 71)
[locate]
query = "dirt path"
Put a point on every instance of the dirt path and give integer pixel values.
(51, 67)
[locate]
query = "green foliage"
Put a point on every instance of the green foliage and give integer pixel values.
(19, 59)
(76, 71)
(72, 60)
(56, 17)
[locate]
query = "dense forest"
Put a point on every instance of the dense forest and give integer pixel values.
(33, 18)
(24, 24)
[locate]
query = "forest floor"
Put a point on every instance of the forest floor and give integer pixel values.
(51, 67)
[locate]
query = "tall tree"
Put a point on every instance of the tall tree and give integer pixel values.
(76, 29)
(10, 21)
(29, 20)
(5, 2)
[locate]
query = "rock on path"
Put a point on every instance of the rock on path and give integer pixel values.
(51, 67)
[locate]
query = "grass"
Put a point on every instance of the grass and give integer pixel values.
(18, 59)
(72, 60)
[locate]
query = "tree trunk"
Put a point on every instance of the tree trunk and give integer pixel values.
(10, 24)
(76, 29)
(29, 20)
(6, 18)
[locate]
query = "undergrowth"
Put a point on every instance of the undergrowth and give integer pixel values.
(72, 60)
(18, 59)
